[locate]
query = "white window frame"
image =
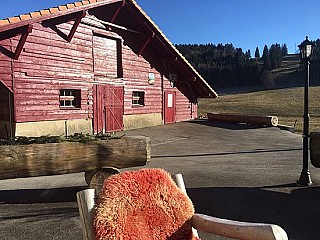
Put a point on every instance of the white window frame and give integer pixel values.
(138, 98)
(70, 98)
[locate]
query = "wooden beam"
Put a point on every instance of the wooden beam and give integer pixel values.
(24, 31)
(14, 32)
(63, 19)
(22, 41)
(315, 149)
(71, 157)
(109, 24)
(77, 16)
(57, 14)
(269, 121)
(75, 26)
(118, 10)
(146, 43)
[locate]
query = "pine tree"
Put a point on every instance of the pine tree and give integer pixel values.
(284, 50)
(257, 53)
(248, 54)
(275, 56)
(266, 58)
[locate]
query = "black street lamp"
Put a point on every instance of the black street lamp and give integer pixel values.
(305, 50)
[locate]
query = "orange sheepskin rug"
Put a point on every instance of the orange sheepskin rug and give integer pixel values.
(143, 205)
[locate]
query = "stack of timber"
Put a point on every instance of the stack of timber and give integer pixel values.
(71, 157)
(315, 149)
(270, 121)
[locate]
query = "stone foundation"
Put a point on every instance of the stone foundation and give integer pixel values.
(59, 127)
(142, 120)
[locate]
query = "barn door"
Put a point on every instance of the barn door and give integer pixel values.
(169, 107)
(114, 108)
(98, 109)
(108, 108)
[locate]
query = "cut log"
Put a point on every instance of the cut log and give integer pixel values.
(71, 157)
(95, 179)
(315, 149)
(270, 121)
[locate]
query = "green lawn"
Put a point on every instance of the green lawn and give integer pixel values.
(286, 104)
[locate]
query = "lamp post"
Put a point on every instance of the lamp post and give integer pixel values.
(305, 50)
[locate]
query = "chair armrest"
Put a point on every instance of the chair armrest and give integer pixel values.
(238, 230)
(86, 205)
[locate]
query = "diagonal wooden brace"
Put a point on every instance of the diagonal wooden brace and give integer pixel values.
(66, 18)
(75, 26)
(22, 41)
(118, 11)
(146, 43)
(24, 31)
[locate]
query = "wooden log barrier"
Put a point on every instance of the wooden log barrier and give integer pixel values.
(71, 157)
(315, 149)
(270, 121)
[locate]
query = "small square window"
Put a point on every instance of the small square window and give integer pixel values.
(138, 98)
(70, 98)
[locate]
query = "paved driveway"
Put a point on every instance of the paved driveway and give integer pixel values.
(231, 171)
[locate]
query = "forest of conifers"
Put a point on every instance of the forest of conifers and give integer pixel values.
(225, 66)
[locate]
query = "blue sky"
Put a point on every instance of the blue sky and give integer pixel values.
(244, 23)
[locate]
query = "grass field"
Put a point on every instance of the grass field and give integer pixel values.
(286, 104)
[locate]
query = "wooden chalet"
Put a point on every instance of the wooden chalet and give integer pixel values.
(92, 66)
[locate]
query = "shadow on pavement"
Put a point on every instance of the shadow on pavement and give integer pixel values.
(228, 153)
(231, 126)
(297, 211)
(53, 213)
(20, 196)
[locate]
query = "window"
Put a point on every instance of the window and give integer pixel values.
(107, 52)
(138, 98)
(70, 98)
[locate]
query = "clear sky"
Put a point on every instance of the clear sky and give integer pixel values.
(244, 23)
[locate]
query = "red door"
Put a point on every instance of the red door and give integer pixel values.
(98, 107)
(108, 108)
(114, 108)
(169, 107)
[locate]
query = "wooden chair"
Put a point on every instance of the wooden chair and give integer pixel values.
(204, 223)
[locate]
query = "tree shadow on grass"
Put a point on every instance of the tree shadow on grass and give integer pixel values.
(297, 211)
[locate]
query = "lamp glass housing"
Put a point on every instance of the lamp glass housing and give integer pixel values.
(306, 48)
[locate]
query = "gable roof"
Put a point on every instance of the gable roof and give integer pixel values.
(131, 18)
(37, 16)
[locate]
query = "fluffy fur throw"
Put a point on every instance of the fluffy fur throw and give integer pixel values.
(143, 205)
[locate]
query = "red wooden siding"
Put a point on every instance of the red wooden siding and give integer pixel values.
(105, 56)
(47, 64)
(136, 70)
(185, 110)
(5, 64)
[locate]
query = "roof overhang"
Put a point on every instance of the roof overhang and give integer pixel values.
(146, 39)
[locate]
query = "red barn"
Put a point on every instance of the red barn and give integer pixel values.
(92, 66)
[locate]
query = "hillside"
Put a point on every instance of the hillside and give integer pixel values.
(284, 99)
(289, 74)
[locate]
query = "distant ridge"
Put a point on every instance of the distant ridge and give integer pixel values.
(289, 74)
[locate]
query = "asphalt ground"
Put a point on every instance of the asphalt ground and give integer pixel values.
(234, 171)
